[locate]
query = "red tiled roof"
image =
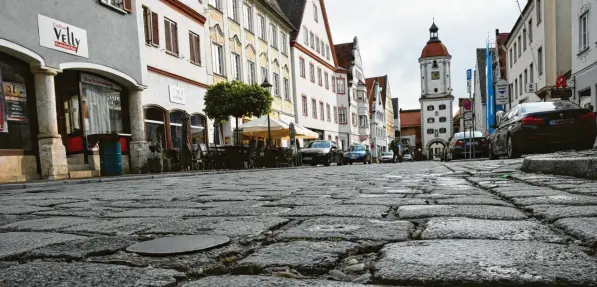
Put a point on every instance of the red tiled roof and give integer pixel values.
(370, 92)
(434, 49)
(371, 89)
(410, 118)
(343, 53)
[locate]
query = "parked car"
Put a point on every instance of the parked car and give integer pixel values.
(358, 153)
(321, 152)
(407, 157)
(533, 127)
(460, 144)
(387, 157)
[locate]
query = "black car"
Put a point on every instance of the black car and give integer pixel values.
(463, 142)
(321, 152)
(532, 127)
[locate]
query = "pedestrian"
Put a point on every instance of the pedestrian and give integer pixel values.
(395, 147)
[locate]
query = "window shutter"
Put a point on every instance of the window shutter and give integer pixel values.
(192, 47)
(197, 44)
(127, 5)
(174, 38)
(168, 36)
(155, 29)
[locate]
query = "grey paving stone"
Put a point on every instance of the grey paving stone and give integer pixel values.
(46, 224)
(83, 248)
(584, 228)
(299, 255)
(228, 197)
(303, 201)
(70, 212)
(467, 228)
(473, 200)
(512, 193)
(370, 211)
(15, 243)
(241, 210)
(156, 212)
(263, 281)
(8, 219)
(557, 199)
(156, 204)
(487, 262)
(349, 229)
(229, 226)
(555, 212)
(388, 201)
(471, 211)
(86, 275)
(392, 191)
(461, 191)
(122, 226)
(21, 209)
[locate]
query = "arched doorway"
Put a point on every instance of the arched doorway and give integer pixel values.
(435, 148)
(155, 126)
(176, 119)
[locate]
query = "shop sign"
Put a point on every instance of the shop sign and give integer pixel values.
(95, 80)
(177, 95)
(62, 37)
(15, 99)
(3, 119)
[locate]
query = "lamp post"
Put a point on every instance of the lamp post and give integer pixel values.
(266, 85)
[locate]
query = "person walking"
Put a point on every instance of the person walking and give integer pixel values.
(395, 147)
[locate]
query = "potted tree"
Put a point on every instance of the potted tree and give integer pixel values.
(154, 162)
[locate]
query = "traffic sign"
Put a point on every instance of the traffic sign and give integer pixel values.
(502, 93)
(469, 74)
(468, 104)
(468, 124)
(468, 116)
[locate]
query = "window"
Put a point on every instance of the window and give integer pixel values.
(526, 78)
(511, 56)
(104, 109)
(263, 74)
(354, 95)
(171, 36)
(583, 37)
(519, 47)
(312, 40)
(434, 65)
(540, 61)
(430, 108)
(430, 120)
(248, 17)
(314, 105)
(321, 111)
(342, 115)
(319, 80)
(435, 75)
(317, 44)
(340, 85)
(326, 80)
(322, 48)
(524, 39)
(520, 83)
(510, 88)
(302, 66)
(516, 88)
(335, 114)
(333, 84)
(530, 30)
(283, 43)
(312, 72)
(306, 35)
(216, 4)
(198, 129)
(304, 103)
(515, 49)
(233, 10)
(531, 75)
(195, 45)
(329, 112)
(125, 5)
(151, 27)
(251, 73)
(327, 51)
(538, 9)
(442, 107)
(363, 121)
(442, 130)
(286, 89)
(274, 36)
(442, 119)
(354, 119)
(218, 59)
(261, 28)
(429, 131)
(236, 67)
(276, 84)
(315, 12)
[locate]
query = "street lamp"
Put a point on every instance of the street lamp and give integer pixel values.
(267, 86)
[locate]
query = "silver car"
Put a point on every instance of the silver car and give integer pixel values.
(387, 157)
(407, 157)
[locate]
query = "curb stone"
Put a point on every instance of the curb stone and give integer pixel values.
(582, 167)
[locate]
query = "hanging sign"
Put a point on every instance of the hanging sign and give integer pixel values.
(501, 92)
(62, 37)
(15, 101)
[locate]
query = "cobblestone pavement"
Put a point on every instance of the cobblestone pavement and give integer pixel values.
(409, 224)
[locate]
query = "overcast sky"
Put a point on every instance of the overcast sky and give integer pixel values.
(392, 34)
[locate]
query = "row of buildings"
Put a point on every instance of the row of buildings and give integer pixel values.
(550, 54)
(72, 70)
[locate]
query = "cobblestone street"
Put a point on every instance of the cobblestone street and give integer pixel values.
(410, 224)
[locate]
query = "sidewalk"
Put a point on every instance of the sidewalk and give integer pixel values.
(582, 164)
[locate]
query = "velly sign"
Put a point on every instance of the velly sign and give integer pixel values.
(62, 37)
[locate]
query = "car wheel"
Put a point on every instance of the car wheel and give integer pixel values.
(512, 151)
(328, 162)
(365, 160)
(341, 162)
(492, 155)
(350, 162)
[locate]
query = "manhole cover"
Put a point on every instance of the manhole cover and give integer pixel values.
(178, 244)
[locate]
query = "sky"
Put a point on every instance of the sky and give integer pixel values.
(393, 33)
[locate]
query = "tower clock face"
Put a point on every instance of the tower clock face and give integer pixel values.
(434, 75)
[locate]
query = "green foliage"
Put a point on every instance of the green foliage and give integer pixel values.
(236, 99)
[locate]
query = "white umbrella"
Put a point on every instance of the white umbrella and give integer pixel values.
(260, 125)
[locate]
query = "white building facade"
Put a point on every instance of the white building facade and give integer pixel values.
(584, 52)
(436, 96)
(379, 137)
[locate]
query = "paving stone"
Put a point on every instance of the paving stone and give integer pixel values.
(228, 197)
(156, 212)
(486, 262)
(303, 201)
(349, 229)
(513, 193)
(70, 212)
(555, 212)
(122, 226)
(229, 226)
(584, 228)
(370, 211)
(83, 248)
(21, 209)
(46, 224)
(462, 191)
(263, 281)
(467, 228)
(181, 244)
(241, 210)
(473, 200)
(8, 219)
(471, 211)
(156, 204)
(86, 275)
(557, 199)
(389, 201)
(300, 255)
(391, 191)
(15, 243)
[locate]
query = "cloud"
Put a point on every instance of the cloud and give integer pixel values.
(392, 34)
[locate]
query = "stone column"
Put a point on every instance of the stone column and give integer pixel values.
(52, 153)
(139, 147)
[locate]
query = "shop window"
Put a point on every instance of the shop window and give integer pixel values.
(155, 128)
(198, 130)
(15, 123)
(176, 119)
(101, 107)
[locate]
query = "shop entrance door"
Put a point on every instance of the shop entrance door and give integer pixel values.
(68, 108)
